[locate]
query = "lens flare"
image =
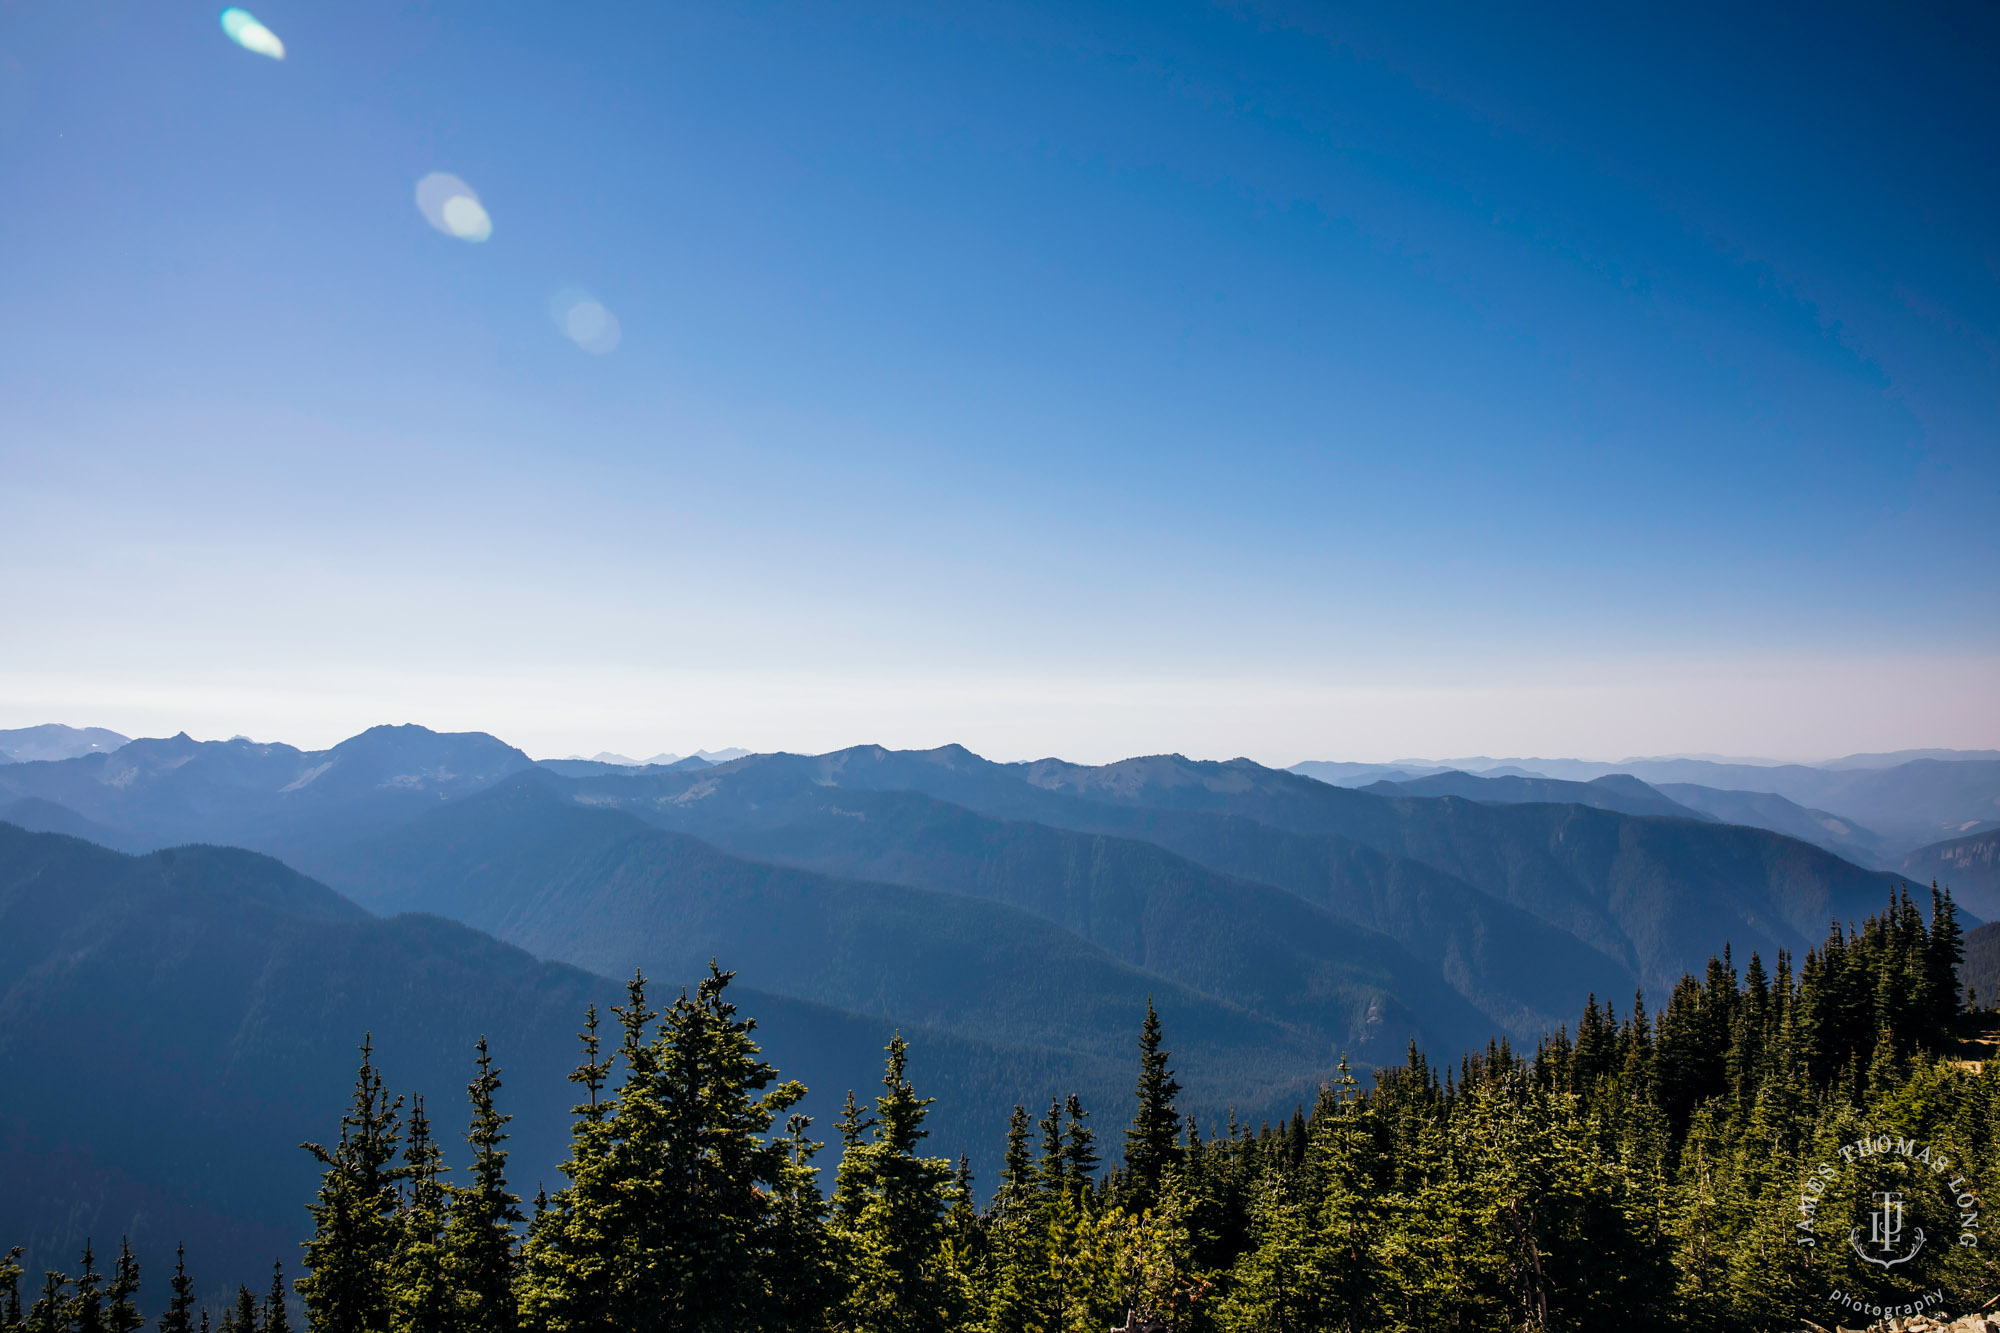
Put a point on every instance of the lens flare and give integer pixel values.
(251, 35)
(450, 205)
(583, 319)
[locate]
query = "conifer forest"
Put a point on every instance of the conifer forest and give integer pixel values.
(1646, 1170)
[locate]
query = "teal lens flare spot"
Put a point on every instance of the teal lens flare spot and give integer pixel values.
(251, 35)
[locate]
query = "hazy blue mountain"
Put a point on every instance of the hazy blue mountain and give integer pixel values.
(1895, 757)
(1360, 775)
(173, 1025)
(1969, 866)
(1906, 803)
(163, 792)
(40, 816)
(1523, 974)
(1270, 1000)
(1758, 809)
(52, 740)
(1650, 893)
(1617, 791)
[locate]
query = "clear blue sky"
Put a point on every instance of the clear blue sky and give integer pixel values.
(1297, 382)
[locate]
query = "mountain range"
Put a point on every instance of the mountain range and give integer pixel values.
(1013, 919)
(1870, 808)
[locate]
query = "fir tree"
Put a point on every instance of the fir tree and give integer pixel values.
(274, 1318)
(1152, 1143)
(50, 1312)
(178, 1317)
(86, 1307)
(479, 1236)
(10, 1290)
(420, 1297)
(902, 1281)
(122, 1315)
(348, 1259)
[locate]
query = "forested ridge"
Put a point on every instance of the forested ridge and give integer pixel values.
(1644, 1170)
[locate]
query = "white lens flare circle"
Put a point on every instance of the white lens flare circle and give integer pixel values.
(583, 319)
(251, 35)
(450, 205)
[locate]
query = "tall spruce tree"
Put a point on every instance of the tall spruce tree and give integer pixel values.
(86, 1307)
(348, 1260)
(273, 1317)
(178, 1317)
(902, 1279)
(420, 1296)
(479, 1235)
(1152, 1143)
(122, 1315)
(10, 1289)
(50, 1312)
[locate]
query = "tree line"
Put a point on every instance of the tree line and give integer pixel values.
(1640, 1172)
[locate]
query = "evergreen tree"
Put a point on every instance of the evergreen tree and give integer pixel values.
(1080, 1144)
(122, 1316)
(348, 1259)
(10, 1290)
(421, 1299)
(242, 1317)
(275, 1319)
(479, 1236)
(50, 1312)
(902, 1280)
(178, 1317)
(1152, 1143)
(86, 1307)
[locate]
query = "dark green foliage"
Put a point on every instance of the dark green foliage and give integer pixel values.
(10, 1290)
(178, 1317)
(680, 1212)
(241, 1316)
(901, 1279)
(86, 1307)
(1151, 1144)
(122, 1315)
(273, 1318)
(479, 1237)
(349, 1259)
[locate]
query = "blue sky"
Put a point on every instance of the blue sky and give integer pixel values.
(1286, 381)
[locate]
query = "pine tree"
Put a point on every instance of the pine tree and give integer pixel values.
(86, 1308)
(123, 1315)
(902, 1282)
(178, 1317)
(348, 1260)
(1152, 1143)
(50, 1312)
(479, 1237)
(274, 1319)
(241, 1317)
(421, 1299)
(10, 1290)
(1079, 1144)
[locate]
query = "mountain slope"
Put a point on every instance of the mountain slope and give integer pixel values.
(1616, 791)
(1969, 867)
(173, 1025)
(1651, 893)
(600, 888)
(1122, 874)
(1767, 810)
